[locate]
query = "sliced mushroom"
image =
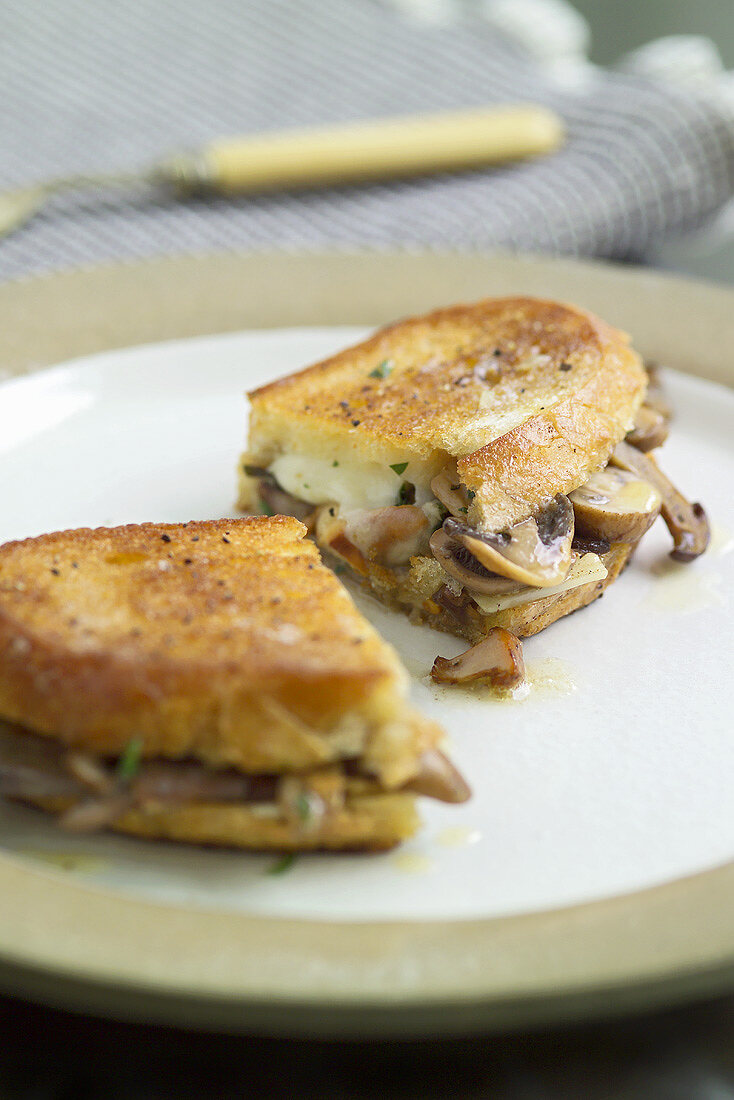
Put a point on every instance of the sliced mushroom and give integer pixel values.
(686, 522)
(93, 814)
(615, 505)
(391, 536)
(281, 503)
(650, 430)
(497, 658)
(655, 396)
(461, 564)
(181, 781)
(583, 545)
(438, 778)
(447, 486)
(536, 551)
(459, 607)
(90, 771)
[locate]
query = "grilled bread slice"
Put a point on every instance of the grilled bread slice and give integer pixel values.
(239, 667)
(528, 396)
(491, 412)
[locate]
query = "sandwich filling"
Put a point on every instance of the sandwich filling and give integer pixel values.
(94, 792)
(417, 531)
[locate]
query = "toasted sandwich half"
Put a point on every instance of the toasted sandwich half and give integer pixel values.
(470, 465)
(208, 682)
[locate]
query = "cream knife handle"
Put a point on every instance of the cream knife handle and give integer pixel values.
(379, 150)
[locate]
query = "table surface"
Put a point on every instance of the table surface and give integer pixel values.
(687, 1054)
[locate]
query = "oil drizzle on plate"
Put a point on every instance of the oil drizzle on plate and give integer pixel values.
(411, 863)
(547, 677)
(684, 587)
(64, 861)
(456, 836)
(722, 541)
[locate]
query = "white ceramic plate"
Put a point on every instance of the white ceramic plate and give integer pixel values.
(610, 774)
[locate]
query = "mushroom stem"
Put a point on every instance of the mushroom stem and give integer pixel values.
(497, 658)
(438, 778)
(650, 430)
(686, 522)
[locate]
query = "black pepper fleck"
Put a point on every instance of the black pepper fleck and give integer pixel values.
(225, 539)
(55, 572)
(187, 561)
(194, 538)
(355, 423)
(165, 538)
(566, 366)
(497, 351)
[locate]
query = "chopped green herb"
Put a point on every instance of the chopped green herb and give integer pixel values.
(303, 807)
(335, 463)
(253, 471)
(470, 494)
(463, 510)
(265, 509)
(399, 467)
(129, 763)
(339, 569)
(406, 493)
(305, 486)
(282, 865)
(382, 370)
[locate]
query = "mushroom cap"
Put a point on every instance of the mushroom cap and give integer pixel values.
(615, 505)
(535, 551)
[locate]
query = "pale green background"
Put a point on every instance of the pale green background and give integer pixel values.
(618, 26)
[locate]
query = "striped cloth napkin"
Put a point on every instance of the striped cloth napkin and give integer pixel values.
(116, 84)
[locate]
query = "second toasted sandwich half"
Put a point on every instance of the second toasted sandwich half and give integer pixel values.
(480, 466)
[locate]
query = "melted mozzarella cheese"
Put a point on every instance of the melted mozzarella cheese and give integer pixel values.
(349, 484)
(588, 568)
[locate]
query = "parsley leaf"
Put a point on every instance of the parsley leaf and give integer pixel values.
(265, 509)
(399, 467)
(382, 370)
(129, 763)
(282, 865)
(303, 807)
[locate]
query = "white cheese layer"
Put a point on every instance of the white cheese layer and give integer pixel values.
(588, 568)
(349, 484)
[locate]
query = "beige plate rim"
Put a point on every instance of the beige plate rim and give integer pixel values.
(65, 942)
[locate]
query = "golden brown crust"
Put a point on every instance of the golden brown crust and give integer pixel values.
(225, 640)
(531, 618)
(372, 823)
(459, 379)
(553, 452)
(523, 620)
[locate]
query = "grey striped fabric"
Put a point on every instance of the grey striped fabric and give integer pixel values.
(113, 84)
